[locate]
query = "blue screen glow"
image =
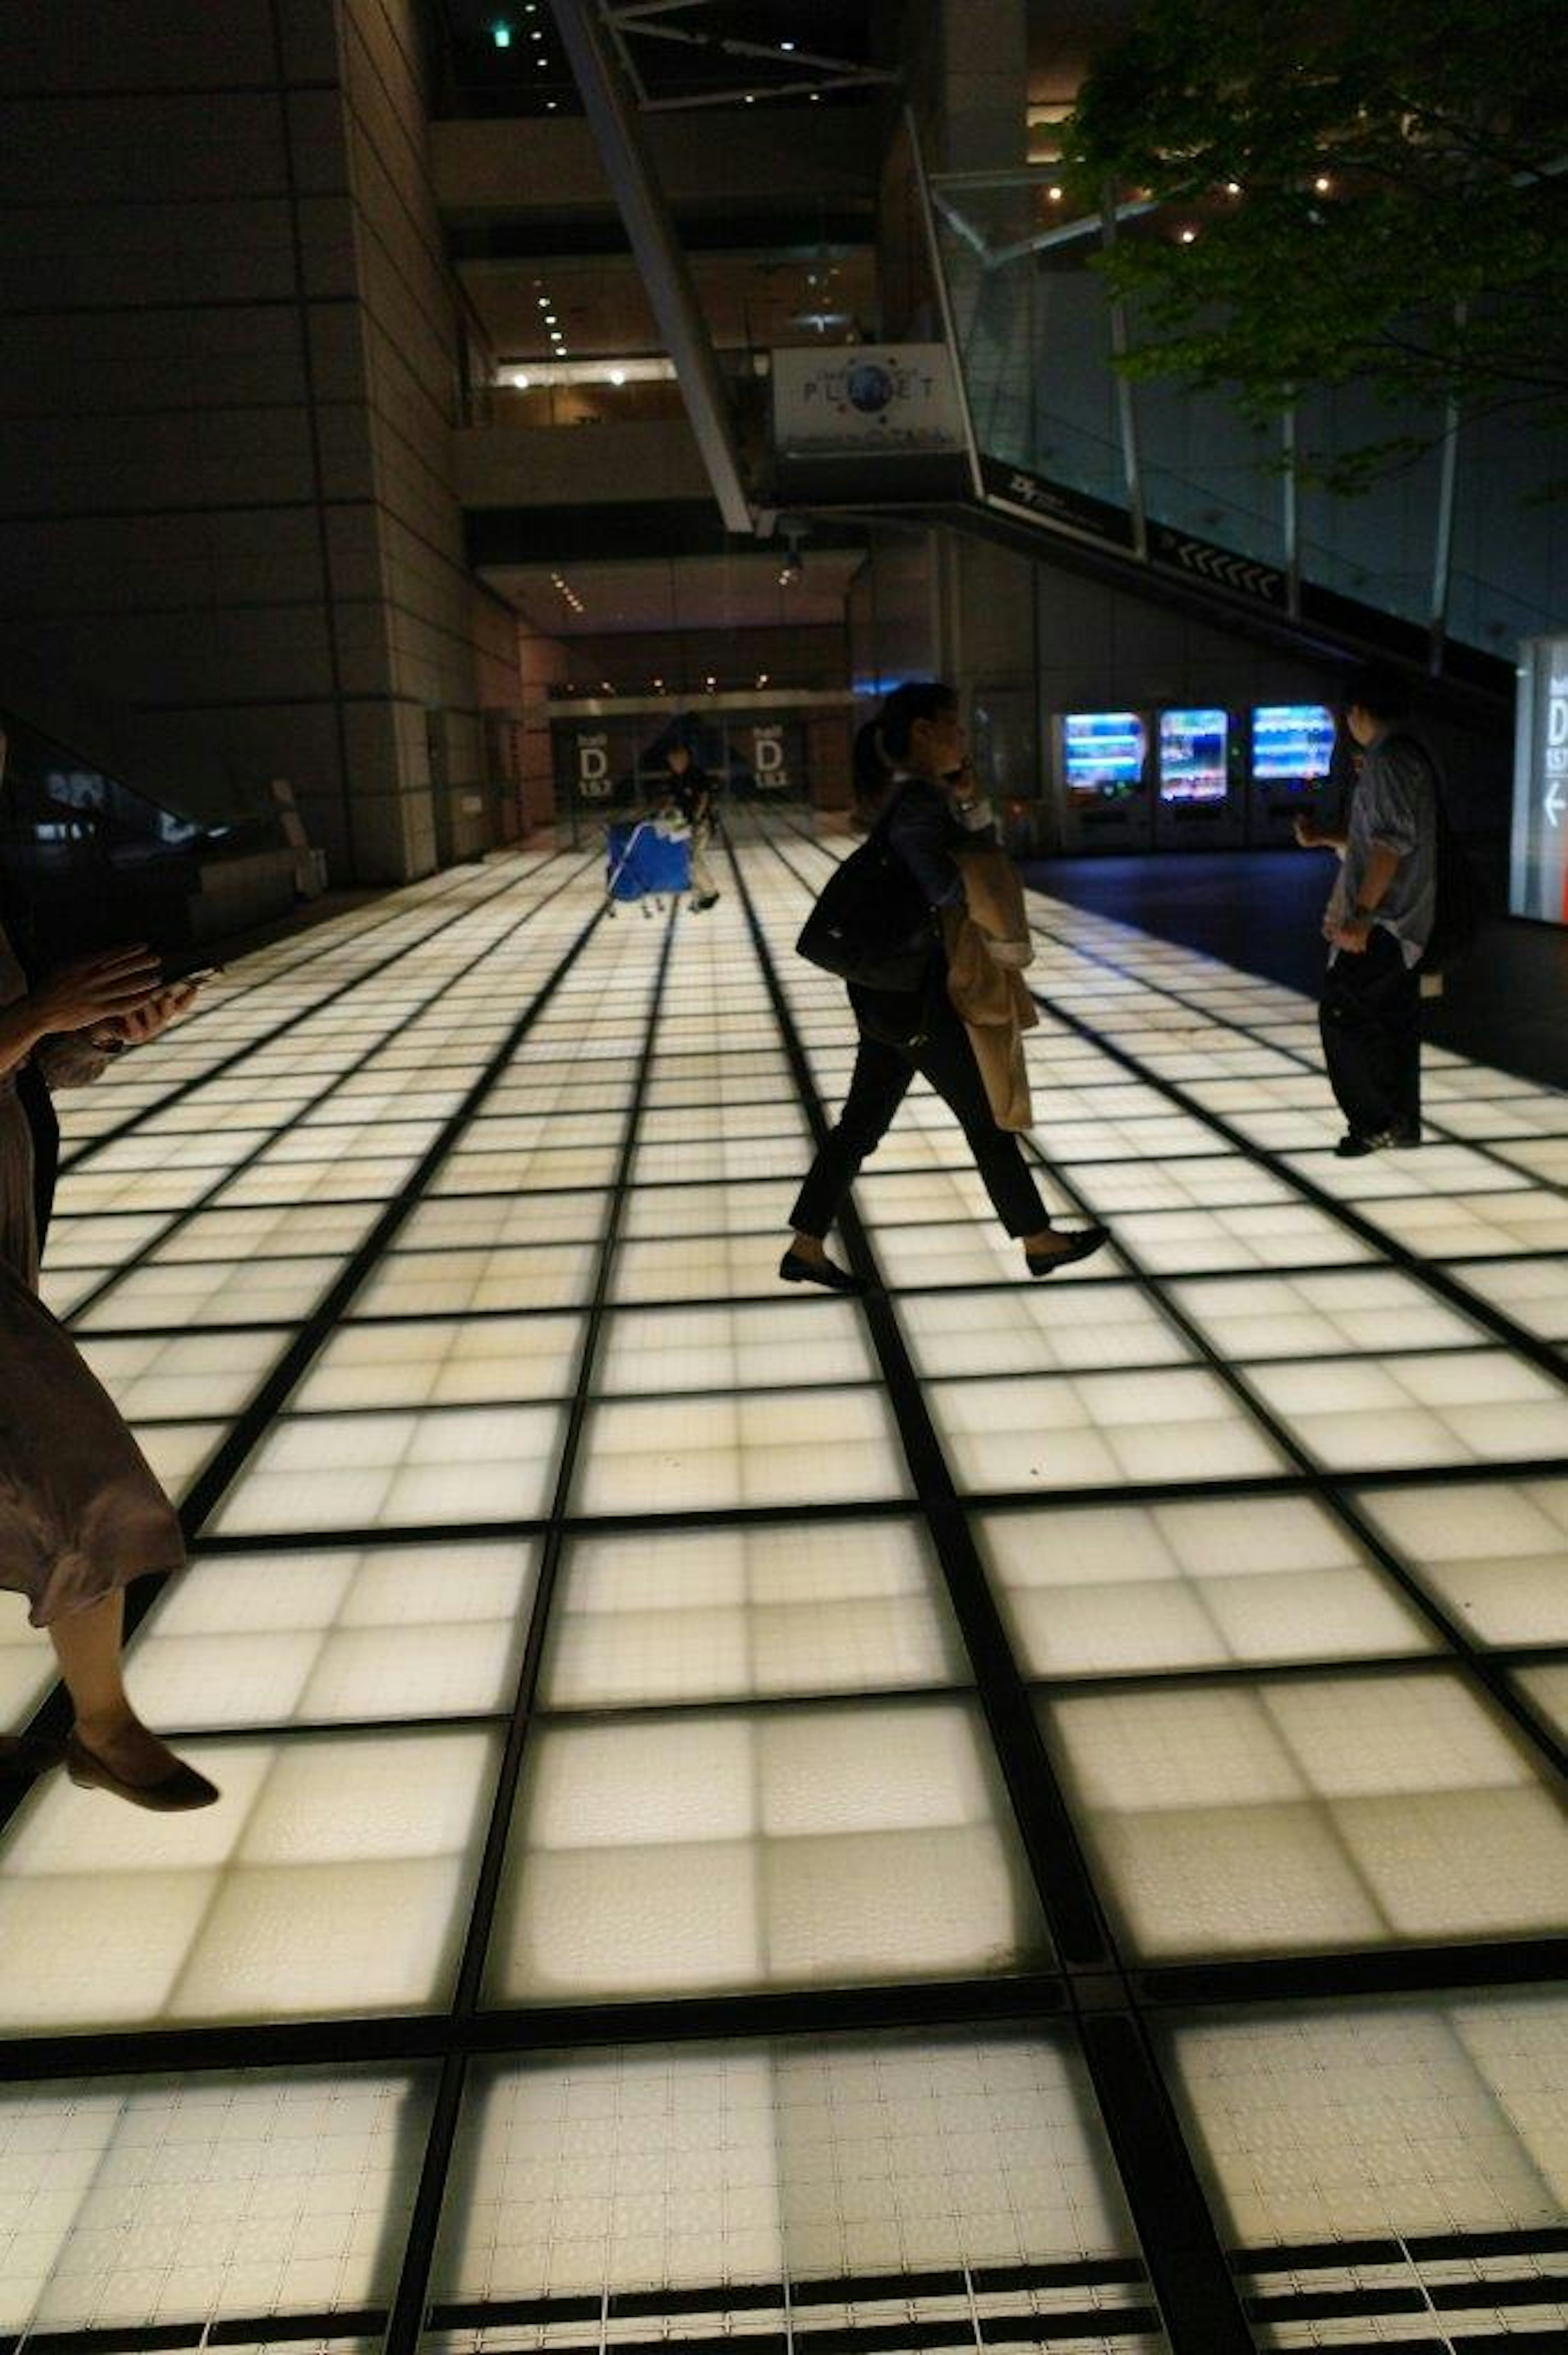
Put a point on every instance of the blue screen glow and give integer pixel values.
(1103, 751)
(1292, 743)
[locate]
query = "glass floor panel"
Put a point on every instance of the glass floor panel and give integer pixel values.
(1364, 1810)
(826, 1606)
(770, 1848)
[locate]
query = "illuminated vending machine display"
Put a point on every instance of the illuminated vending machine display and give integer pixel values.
(1292, 755)
(1104, 793)
(1197, 810)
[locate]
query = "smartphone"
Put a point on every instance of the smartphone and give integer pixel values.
(198, 973)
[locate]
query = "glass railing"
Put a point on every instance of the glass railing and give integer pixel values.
(1036, 335)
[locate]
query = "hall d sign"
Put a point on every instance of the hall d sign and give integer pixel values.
(1538, 864)
(866, 398)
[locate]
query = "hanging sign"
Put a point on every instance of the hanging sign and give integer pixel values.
(865, 398)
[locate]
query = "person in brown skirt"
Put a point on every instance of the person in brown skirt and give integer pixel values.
(80, 1511)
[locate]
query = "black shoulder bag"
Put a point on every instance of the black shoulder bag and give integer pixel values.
(871, 924)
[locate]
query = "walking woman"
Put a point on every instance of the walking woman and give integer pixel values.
(903, 1033)
(80, 1512)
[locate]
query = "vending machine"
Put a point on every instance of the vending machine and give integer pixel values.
(1292, 756)
(1103, 767)
(1200, 798)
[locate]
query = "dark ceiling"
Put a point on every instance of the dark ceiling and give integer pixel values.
(505, 57)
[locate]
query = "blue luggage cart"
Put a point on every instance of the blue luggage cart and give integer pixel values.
(647, 860)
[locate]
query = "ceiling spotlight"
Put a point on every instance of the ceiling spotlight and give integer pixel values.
(762, 678)
(521, 381)
(549, 318)
(751, 98)
(1189, 236)
(1322, 184)
(1055, 194)
(785, 45)
(544, 302)
(500, 34)
(536, 36)
(549, 106)
(1233, 187)
(618, 376)
(816, 98)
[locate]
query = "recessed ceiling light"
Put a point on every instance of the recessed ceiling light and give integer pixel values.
(786, 45)
(1189, 237)
(618, 376)
(520, 382)
(816, 98)
(1055, 194)
(500, 34)
(544, 302)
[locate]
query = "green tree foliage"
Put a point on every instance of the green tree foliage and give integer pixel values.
(1373, 192)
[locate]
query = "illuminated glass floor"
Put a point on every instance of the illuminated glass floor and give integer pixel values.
(993, 1816)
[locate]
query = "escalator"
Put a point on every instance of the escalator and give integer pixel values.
(87, 861)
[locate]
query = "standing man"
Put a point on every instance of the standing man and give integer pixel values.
(1378, 920)
(693, 797)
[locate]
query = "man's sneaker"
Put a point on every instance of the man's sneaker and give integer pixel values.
(1351, 1147)
(1406, 1136)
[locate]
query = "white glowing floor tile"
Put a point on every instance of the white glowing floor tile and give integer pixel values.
(766, 1848)
(1093, 1431)
(1180, 1242)
(84, 1191)
(394, 1471)
(162, 1377)
(821, 1606)
(361, 1180)
(1050, 1327)
(1424, 2116)
(656, 1350)
(1546, 1689)
(1493, 1553)
(769, 1447)
(341, 1634)
(332, 1227)
(1447, 1226)
(460, 1282)
(1128, 1590)
(170, 1298)
(149, 2203)
(547, 1168)
(1373, 1308)
(26, 1664)
(1532, 1292)
(443, 1361)
(948, 1252)
(177, 1450)
(723, 1158)
(1331, 1811)
(1112, 1187)
(701, 1266)
(488, 1220)
(747, 2166)
(101, 1243)
(332, 1877)
(63, 1290)
(652, 1213)
(1461, 1407)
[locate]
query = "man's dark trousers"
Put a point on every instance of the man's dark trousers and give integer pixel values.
(1370, 1017)
(881, 1081)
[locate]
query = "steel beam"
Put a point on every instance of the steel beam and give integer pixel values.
(606, 102)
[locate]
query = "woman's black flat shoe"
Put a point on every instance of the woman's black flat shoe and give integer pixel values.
(1078, 1246)
(174, 1794)
(796, 1270)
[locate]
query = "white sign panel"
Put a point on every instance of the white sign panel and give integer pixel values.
(864, 398)
(1538, 867)
(593, 767)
